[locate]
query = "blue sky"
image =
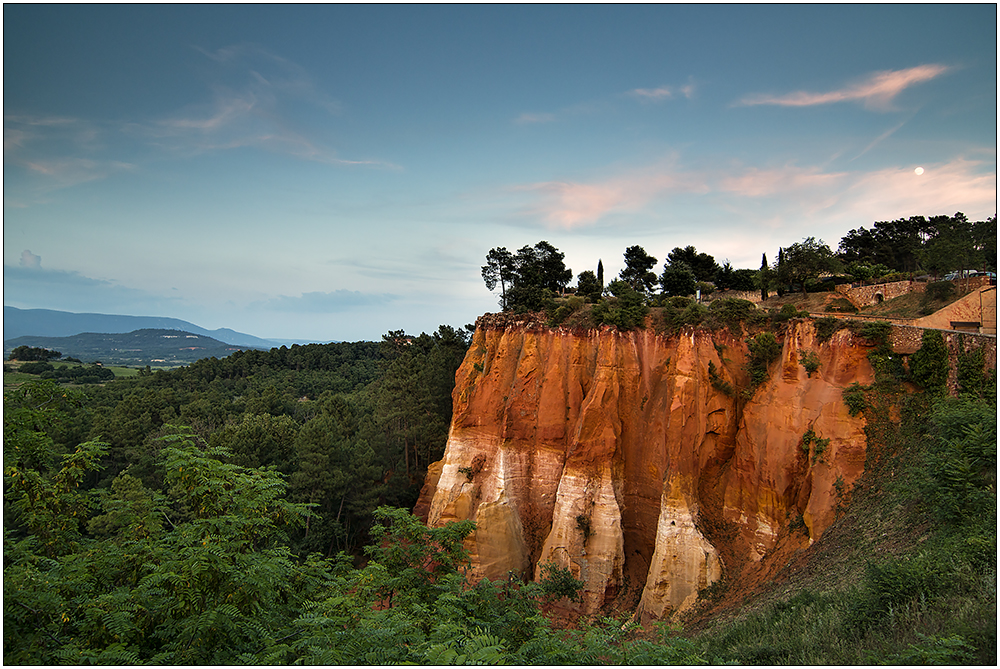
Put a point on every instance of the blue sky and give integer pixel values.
(336, 172)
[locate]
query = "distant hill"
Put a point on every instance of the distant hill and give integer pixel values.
(154, 347)
(50, 323)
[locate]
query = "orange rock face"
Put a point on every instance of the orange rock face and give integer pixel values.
(613, 454)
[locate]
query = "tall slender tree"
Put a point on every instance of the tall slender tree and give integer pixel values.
(765, 276)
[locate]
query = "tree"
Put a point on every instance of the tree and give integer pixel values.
(587, 286)
(625, 310)
(702, 265)
(895, 244)
(637, 272)
(526, 276)
(956, 244)
(31, 353)
(984, 239)
(600, 273)
(499, 268)
(806, 260)
(764, 276)
(677, 280)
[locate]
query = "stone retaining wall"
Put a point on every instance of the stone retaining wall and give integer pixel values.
(867, 296)
(748, 295)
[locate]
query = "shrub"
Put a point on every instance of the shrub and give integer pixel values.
(826, 327)
(939, 291)
(625, 310)
(929, 365)
(787, 312)
(732, 313)
(557, 582)
(36, 367)
(962, 459)
(764, 349)
(718, 382)
(854, 398)
(809, 360)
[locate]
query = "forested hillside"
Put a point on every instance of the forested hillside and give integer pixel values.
(350, 425)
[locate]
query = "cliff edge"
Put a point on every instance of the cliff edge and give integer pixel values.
(635, 460)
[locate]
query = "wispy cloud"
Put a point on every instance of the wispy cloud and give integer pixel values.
(260, 100)
(878, 140)
(876, 91)
(535, 118)
(57, 152)
(30, 260)
(754, 182)
(662, 92)
(567, 204)
(326, 302)
(943, 188)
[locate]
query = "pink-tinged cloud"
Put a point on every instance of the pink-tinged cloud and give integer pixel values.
(756, 183)
(945, 188)
(877, 91)
(773, 197)
(570, 205)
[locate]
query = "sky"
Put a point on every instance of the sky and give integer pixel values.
(328, 172)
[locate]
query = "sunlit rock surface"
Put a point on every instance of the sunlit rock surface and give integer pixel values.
(613, 454)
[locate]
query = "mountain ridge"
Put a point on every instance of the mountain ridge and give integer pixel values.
(53, 323)
(151, 346)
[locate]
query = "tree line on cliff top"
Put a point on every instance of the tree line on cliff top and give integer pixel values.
(528, 279)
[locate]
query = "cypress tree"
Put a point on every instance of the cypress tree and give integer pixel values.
(763, 276)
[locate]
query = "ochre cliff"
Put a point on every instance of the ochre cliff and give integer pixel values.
(613, 454)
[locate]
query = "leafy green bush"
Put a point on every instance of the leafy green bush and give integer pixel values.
(854, 398)
(929, 365)
(36, 367)
(786, 313)
(809, 360)
(626, 310)
(733, 313)
(826, 327)
(961, 465)
(764, 349)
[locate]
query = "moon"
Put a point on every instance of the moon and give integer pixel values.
(918, 171)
